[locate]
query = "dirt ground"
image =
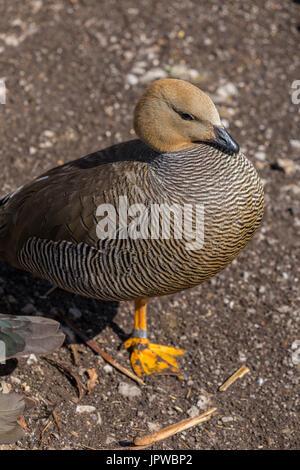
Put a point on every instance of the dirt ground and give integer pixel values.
(73, 71)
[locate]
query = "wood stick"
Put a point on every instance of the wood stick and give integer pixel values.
(49, 291)
(174, 428)
(94, 346)
(237, 375)
(68, 372)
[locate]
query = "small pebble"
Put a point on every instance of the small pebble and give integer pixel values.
(153, 426)
(193, 411)
(261, 156)
(296, 352)
(286, 165)
(131, 79)
(11, 299)
(15, 380)
(85, 409)
(242, 356)
(153, 74)
(32, 360)
(108, 369)
(29, 308)
(75, 312)
(129, 391)
(226, 91)
(6, 387)
(295, 144)
(203, 402)
(227, 419)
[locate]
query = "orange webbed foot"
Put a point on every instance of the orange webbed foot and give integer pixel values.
(149, 358)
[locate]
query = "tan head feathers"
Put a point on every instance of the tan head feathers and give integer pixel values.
(174, 114)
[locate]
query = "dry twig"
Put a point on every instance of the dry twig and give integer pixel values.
(55, 417)
(49, 291)
(43, 433)
(74, 350)
(93, 378)
(68, 372)
(174, 428)
(237, 375)
(21, 421)
(94, 346)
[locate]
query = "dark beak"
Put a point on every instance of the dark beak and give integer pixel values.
(224, 140)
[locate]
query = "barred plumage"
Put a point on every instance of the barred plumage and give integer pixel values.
(127, 269)
(49, 226)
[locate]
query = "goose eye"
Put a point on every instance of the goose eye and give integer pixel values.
(186, 116)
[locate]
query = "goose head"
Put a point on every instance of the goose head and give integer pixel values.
(173, 115)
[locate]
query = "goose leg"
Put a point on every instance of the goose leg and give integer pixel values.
(148, 358)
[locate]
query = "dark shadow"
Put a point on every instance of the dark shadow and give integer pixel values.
(19, 289)
(8, 368)
(126, 444)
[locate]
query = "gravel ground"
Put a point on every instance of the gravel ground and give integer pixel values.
(74, 70)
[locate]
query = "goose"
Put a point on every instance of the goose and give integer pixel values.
(144, 218)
